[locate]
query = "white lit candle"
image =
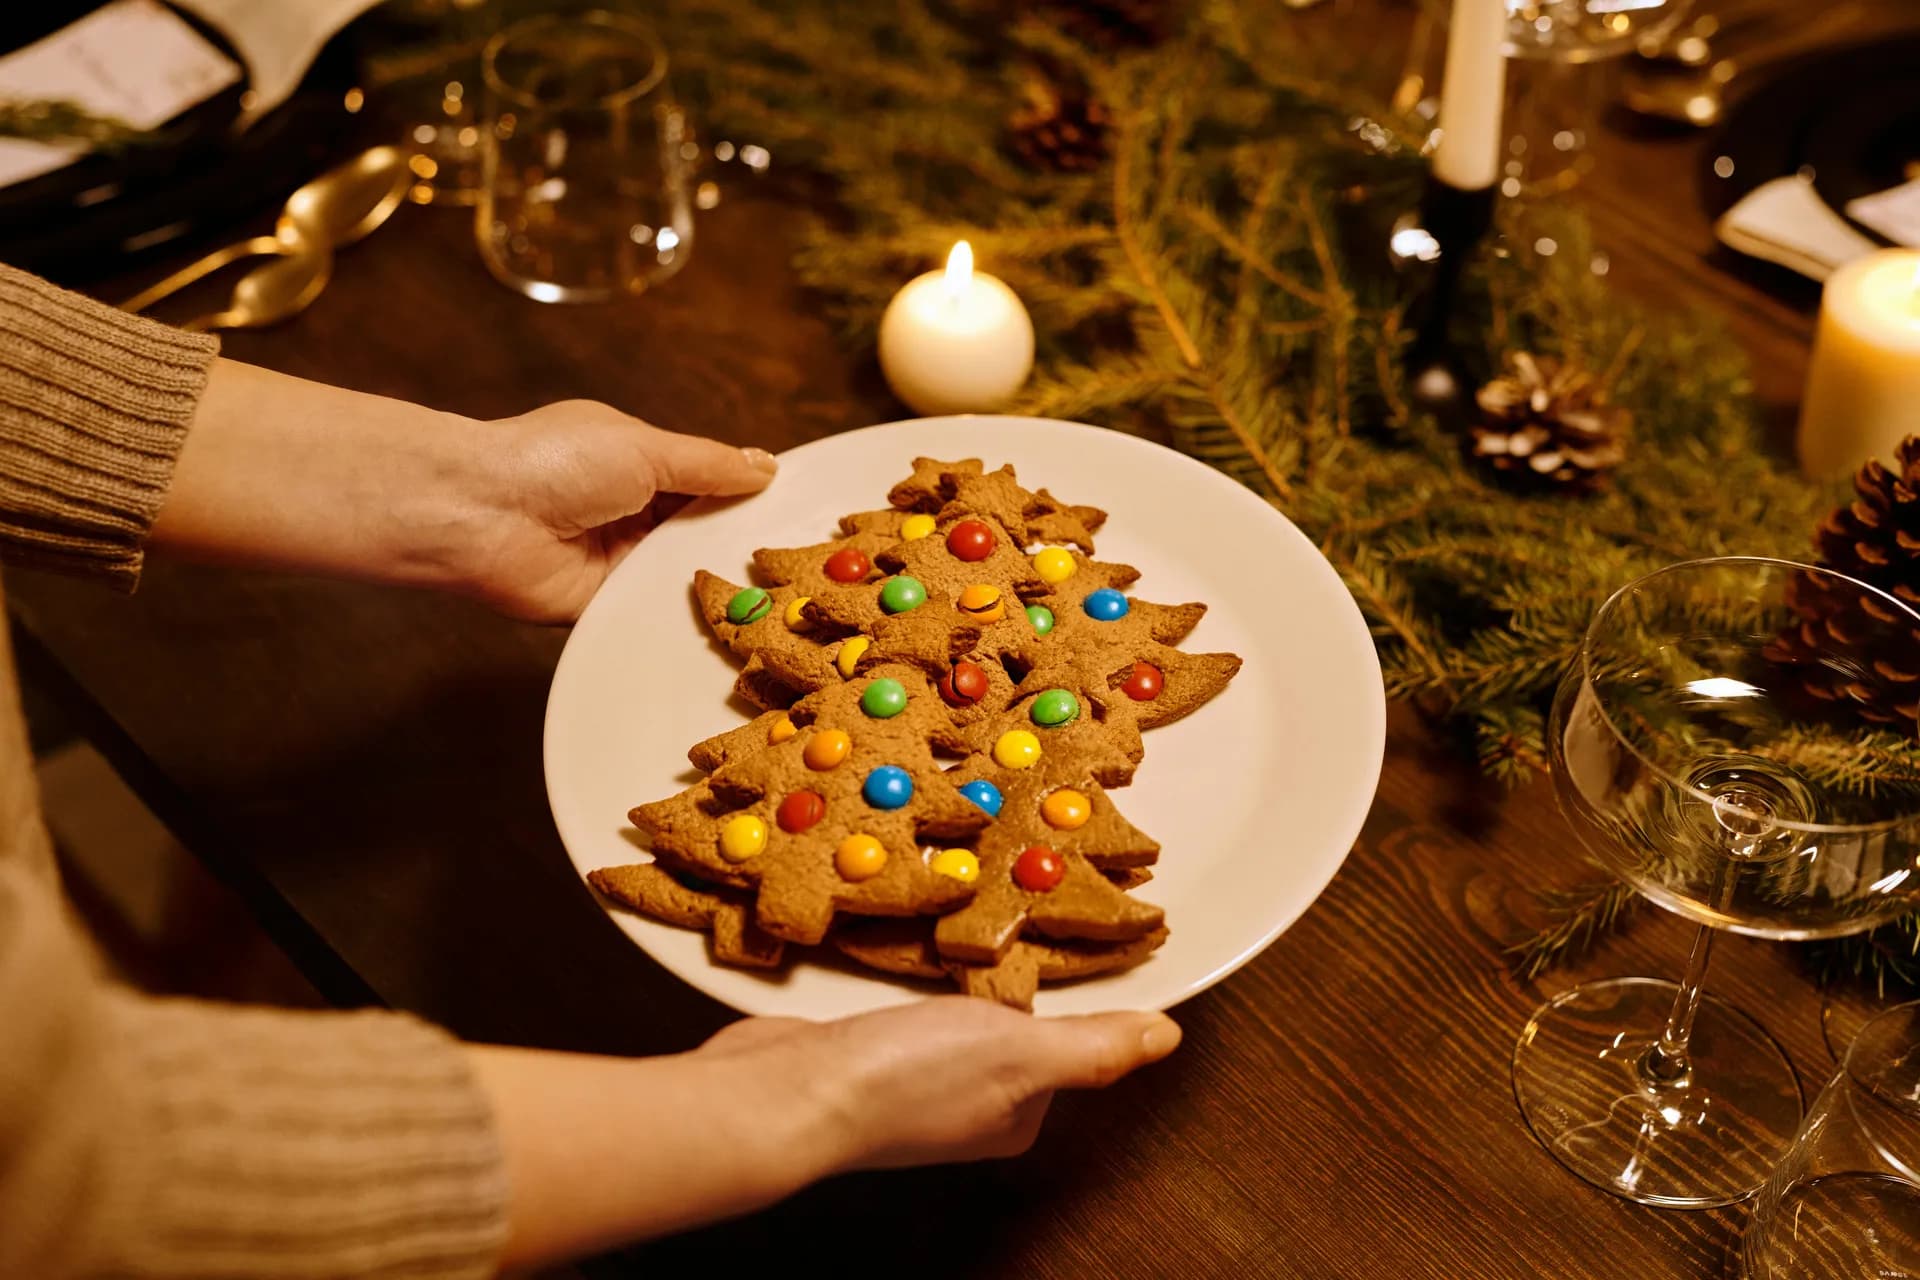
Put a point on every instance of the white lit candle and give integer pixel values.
(1472, 88)
(956, 341)
(1863, 391)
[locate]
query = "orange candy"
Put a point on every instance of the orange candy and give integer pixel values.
(1066, 810)
(859, 857)
(983, 603)
(826, 749)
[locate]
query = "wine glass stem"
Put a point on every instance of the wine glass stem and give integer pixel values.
(1666, 1063)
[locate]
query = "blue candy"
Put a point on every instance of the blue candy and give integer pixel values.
(984, 794)
(1105, 605)
(888, 787)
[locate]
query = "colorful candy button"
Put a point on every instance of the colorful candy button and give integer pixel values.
(982, 603)
(901, 594)
(826, 749)
(848, 658)
(1105, 605)
(1066, 809)
(848, 564)
(883, 699)
(1053, 564)
(964, 684)
(1016, 749)
(800, 810)
(959, 864)
(970, 540)
(914, 528)
(1038, 869)
(781, 730)
(1040, 618)
(1144, 682)
(984, 794)
(888, 787)
(794, 620)
(1054, 708)
(859, 857)
(742, 838)
(749, 604)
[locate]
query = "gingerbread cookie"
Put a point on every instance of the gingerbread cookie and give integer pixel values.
(906, 947)
(726, 914)
(1036, 873)
(1056, 723)
(832, 818)
(795, 650)
(1038, 516)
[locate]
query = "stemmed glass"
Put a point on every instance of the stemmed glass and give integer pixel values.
(1706, 748)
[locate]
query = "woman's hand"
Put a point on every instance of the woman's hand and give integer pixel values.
(952, 1078)
(601, 1150)
(567, 490)
(527, 514)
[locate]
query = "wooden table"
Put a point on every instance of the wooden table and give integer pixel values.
(364, 765)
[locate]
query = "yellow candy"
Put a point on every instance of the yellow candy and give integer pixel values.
(1066, 810)
(1053, 564)
(849, 656)
(1016, 749)
(982, 603)
(742, 838)
(794, 621)
(859, 857)
(826, 749)
(781, 731)
(914, 528)
(960, 864)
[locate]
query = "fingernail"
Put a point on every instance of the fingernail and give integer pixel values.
(760, 460)
(1161, 1038)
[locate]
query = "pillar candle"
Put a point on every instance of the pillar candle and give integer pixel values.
(1863, 390)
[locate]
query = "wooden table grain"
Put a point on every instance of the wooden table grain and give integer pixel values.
(364, 765)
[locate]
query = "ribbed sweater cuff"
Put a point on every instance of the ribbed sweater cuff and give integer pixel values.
(304, 1145)
(94, 406)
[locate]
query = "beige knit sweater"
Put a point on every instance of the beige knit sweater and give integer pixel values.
(145, 1137)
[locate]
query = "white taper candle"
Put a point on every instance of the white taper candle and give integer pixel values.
(1471, 93)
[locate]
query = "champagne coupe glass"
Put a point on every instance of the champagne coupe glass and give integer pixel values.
(1845, 1203)
(1708, 746)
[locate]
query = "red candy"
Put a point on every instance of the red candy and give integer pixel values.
(800, 810)
(1038, 869)
(849, 564)
(970, 540)
(964, 685)
(1144, 682)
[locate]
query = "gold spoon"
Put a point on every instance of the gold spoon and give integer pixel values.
(339, 207)
(271, 292)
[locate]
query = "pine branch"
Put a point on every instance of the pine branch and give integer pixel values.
(1580, 918)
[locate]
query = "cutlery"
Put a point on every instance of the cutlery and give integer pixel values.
(271, 292)
(339, 207)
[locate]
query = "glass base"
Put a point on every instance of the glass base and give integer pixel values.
(1708, 1139)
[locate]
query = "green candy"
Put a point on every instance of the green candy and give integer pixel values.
(901, 594)
(884, 699)
(749, 605)
(1054, 708)
(1041, 618)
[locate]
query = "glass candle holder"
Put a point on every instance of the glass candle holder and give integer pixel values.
(583, 185)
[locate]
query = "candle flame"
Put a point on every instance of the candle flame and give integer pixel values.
(959, 269)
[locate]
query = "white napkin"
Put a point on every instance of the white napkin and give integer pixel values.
(1785, 221)
(132, 59)
(1894, 213)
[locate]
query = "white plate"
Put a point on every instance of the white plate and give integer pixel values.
(1255, 798)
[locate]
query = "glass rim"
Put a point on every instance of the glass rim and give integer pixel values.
(1600, 615)
(618, 22)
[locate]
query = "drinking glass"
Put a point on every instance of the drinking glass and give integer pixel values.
(1845, 1203)
(583, 168)
(1698, 743)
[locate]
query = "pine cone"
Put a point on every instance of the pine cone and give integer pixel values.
(1060, 129)
(1110, 24)
(1548, 423)
(1852, 650)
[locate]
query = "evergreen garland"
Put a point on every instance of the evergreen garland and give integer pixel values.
(1221, 280)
